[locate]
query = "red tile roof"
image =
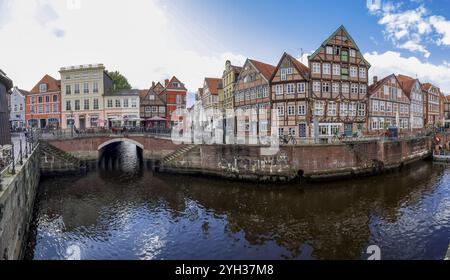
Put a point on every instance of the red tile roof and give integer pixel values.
(374, 87)
(213, 85)
(169, 85)
(52, 84)
(407, 83)
(265, 69)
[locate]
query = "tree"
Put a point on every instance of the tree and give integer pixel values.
(119, 80)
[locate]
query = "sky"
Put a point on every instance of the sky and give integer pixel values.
(151, 40)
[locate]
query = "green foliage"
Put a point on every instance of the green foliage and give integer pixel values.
(120, 81)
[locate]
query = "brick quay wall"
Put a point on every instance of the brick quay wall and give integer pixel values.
(248, 162)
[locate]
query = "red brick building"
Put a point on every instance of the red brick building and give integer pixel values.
(43, 104)
(175, 93)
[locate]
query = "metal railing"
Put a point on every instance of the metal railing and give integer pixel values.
(12, 156)
(96, 132)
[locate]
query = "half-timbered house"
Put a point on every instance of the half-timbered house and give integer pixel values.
(290, 88)
(412, 88)
(389, 106)
(339, 81)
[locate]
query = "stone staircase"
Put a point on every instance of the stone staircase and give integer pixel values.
(54, 160)
(178, 153)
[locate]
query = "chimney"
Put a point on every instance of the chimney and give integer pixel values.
(375, 79)
(166, 82)
(153, 84)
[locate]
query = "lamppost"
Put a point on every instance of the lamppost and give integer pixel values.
(72, 122)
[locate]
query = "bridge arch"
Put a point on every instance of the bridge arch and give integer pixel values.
(115, 140)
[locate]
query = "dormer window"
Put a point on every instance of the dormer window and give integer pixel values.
(175, 84)
(43, 87)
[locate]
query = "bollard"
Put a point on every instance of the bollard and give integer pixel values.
(21, 159)
(13, 171)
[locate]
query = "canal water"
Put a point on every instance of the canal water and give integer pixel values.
(121, 210)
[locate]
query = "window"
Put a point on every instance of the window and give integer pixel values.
(47, 108)
(344, 73)
(345, 88)
(95, 104)
(336, 69)
(362, 89)
(327, 69)
(352, 109)
(133, 103)
(375, 105)
(382, 106)
(354, 88)
(178, 99)
(77, 104)
(20, 106)
(343, 109)
(280, 131)
(33, 100)
(154, 109)
(68, 105)
(86, 104)
(15, 108)
(318, 107)
(263, 125)
(344, 56)
(151, 97)
(337, 50)
(47, 98)
(285, 72)
(329, 50)
(77, 88)
(95, 87)
(279, 89)
(361, 109)
(386, 90)
(335, 87)
(291, 131)
(388, 107)
(162, 109)
(290, 88)
(280, 110)
(301, 88)
(40, 99)
(110, 103)
(86, 88)
(55, 107)
(353, 72)
(43, 88)
(316, 86)
(291, 110)
(316, 68)
(331, 109)
(352, 53)
(33, 109)
(325, 87)
(55, 98)
(117, 103)
(302, 109)
(175, 84)
(68, 89)
(362, 73)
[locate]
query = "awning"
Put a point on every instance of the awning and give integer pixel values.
(155, 119)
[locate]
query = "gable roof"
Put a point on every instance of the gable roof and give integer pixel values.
(301, 68)
(53, 85)
(407, 83)
(325, 43)
(213, 84)
(265, 69)
(374, 87)
(170, 84)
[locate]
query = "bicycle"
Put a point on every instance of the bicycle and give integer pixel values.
(284, 139)
(337, 138)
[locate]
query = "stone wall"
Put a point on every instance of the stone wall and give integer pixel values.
(87, 148)
(311, 161)
(17, 196)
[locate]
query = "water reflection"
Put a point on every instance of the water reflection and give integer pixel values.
(109, 214)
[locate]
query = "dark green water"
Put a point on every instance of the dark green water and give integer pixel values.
(122, 212)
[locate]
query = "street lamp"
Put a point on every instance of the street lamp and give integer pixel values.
(72, 122)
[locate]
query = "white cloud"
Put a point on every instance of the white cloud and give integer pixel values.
(138, 38)
(392, 62)
(411, 29)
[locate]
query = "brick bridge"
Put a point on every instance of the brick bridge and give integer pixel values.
(89, 147)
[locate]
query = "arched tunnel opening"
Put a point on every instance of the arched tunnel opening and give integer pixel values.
(124, 156)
